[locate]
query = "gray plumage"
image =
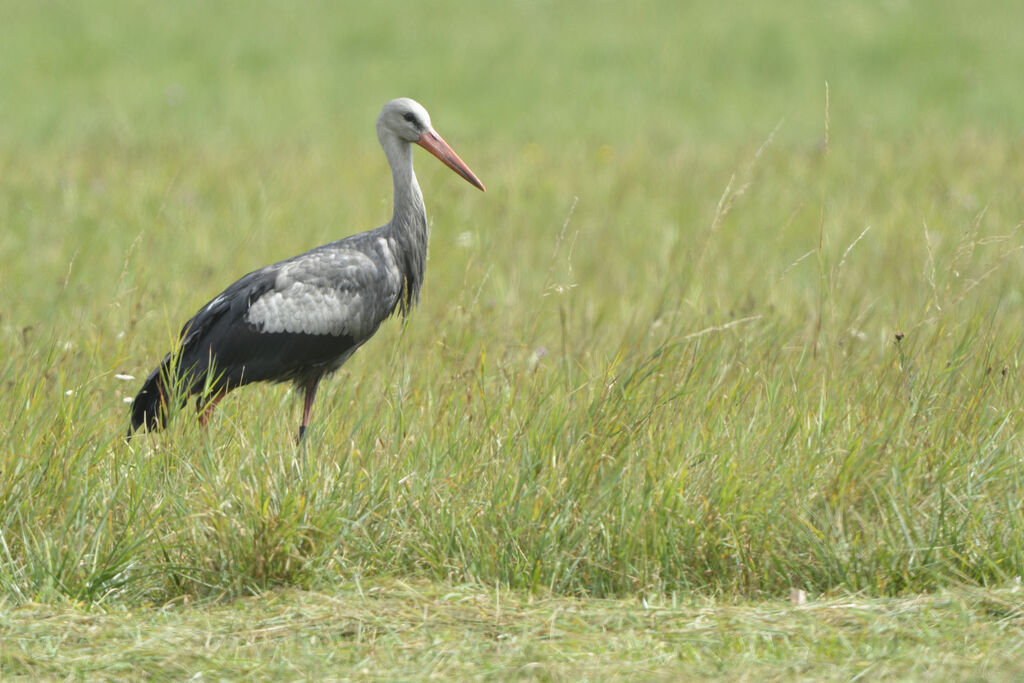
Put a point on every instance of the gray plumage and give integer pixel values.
(301, 319)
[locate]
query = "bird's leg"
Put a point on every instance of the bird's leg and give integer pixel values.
(307, 406)
(206, 409)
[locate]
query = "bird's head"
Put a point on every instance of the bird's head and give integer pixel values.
(405, 118)
(408, 121)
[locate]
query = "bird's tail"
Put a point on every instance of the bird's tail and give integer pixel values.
(163, 388)
(150, 405)
(170, 387)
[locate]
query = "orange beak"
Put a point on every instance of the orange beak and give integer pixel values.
(435, 144)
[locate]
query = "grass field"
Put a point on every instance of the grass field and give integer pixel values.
(739, 313)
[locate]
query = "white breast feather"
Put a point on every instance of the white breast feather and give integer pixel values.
(386, 249)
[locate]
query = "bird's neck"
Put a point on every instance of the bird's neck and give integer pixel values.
(408, 224)
(409, 210)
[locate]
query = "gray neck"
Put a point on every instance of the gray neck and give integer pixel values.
(408, 224)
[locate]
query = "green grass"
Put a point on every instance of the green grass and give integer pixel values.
(739, 312)
(395, 630)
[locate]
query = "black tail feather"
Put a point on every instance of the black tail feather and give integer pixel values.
(150, 405)
(167, 387)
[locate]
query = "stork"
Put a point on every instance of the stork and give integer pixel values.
(300, 319)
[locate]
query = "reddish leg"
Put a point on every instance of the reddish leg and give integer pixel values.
(207, 408)
(307, 407)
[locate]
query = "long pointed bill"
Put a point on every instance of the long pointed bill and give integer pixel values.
(433, 143)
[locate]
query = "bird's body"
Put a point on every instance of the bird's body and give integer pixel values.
(301, 319)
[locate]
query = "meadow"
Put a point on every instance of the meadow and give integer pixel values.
(739, 314)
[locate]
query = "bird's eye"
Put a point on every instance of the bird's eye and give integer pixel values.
(409, 116)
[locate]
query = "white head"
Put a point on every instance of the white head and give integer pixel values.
(406, 120)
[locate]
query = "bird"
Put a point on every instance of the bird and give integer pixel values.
(300, 319)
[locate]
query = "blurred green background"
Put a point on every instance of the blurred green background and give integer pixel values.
(557, 73)
(642, 110)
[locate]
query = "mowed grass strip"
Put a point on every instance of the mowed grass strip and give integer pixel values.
(405, 631)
